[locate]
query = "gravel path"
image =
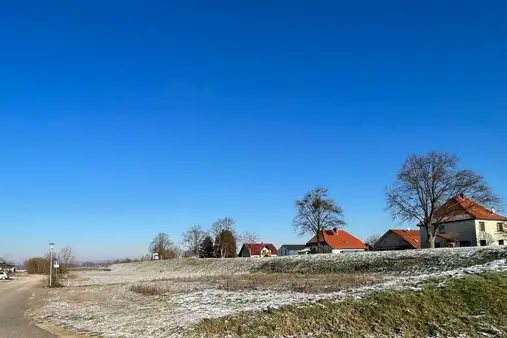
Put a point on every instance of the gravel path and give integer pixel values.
(14, 300)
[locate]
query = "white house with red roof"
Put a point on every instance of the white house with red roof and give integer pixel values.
(335, 241)
(472, 224)
(258, 250)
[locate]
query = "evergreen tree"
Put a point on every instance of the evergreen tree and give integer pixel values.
(225, 245)
(206, 248)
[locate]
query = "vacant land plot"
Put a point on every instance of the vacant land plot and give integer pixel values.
(265, 297)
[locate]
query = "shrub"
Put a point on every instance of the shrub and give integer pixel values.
(146, 289)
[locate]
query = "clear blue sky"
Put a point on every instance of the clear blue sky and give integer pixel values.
(121, 119)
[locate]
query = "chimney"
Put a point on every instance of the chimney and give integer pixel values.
(462, 195)
(335, 230)
(493, 210)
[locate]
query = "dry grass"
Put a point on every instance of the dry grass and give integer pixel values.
(147, 289)
(297, 283)
(278, 282)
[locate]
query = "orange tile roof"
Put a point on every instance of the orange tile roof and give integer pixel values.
(478, 211)
(413, 237)
(338, 239)
(458, 205)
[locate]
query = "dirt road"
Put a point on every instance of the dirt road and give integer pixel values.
(14, 299)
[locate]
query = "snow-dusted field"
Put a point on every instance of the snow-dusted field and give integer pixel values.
(102, 302)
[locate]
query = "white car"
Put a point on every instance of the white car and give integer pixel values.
(3, 275)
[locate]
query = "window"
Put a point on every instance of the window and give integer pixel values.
(482, 242)
(442, 229)
(500, 242)
(482, 226)
(499, 226)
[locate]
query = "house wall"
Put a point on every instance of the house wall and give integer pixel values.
(491, 235)
(322, 247)
(465, 231)
(343, 251)
(244, 252)
(286, 252)
(392, 242)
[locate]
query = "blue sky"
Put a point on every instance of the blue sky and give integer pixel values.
(121, 119)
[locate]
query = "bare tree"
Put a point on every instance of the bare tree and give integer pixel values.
(67, 257)
(427, 188)
(221, 224)
(486, 237)
(163, 246)
(317, 212)
(178, 251)
(248, 237)
(372, 240)
(193, 237)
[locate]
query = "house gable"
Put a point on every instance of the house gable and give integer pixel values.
(256, 249)
(399, 239)
(460, 208)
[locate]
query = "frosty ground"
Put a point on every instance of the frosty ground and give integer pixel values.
(170, 298)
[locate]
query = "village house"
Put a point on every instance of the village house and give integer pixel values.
(471, 224)
(335, 241)
(290, 249)
(258, 250)
(406, 239)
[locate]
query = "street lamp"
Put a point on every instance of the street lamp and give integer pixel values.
(51, 246)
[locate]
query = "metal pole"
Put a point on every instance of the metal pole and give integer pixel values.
(50, 266)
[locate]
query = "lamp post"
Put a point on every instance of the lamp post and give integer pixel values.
(51, 246)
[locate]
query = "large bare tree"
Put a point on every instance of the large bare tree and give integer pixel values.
(221, 224)
(425, 187)
(317, 212)
(163, 246)
(248, 237)
(193, 237)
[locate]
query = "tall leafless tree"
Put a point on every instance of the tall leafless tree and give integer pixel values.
(317, 212)
(248, 237)
(424, 189)
(163, 246)
(67, 257)
(193, 237)
(221, 224)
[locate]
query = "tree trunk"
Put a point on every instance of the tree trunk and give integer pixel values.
(431, 238)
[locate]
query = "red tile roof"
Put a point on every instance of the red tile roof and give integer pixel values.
(478, 211)
(413, 237)
(339, 239)
(256, 248)
(461, 208)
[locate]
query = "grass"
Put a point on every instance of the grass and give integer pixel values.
(290, 282)
(462, 306)
(147, 289)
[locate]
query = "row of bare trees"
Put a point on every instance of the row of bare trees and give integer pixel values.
(422, 193)
(222, 235)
